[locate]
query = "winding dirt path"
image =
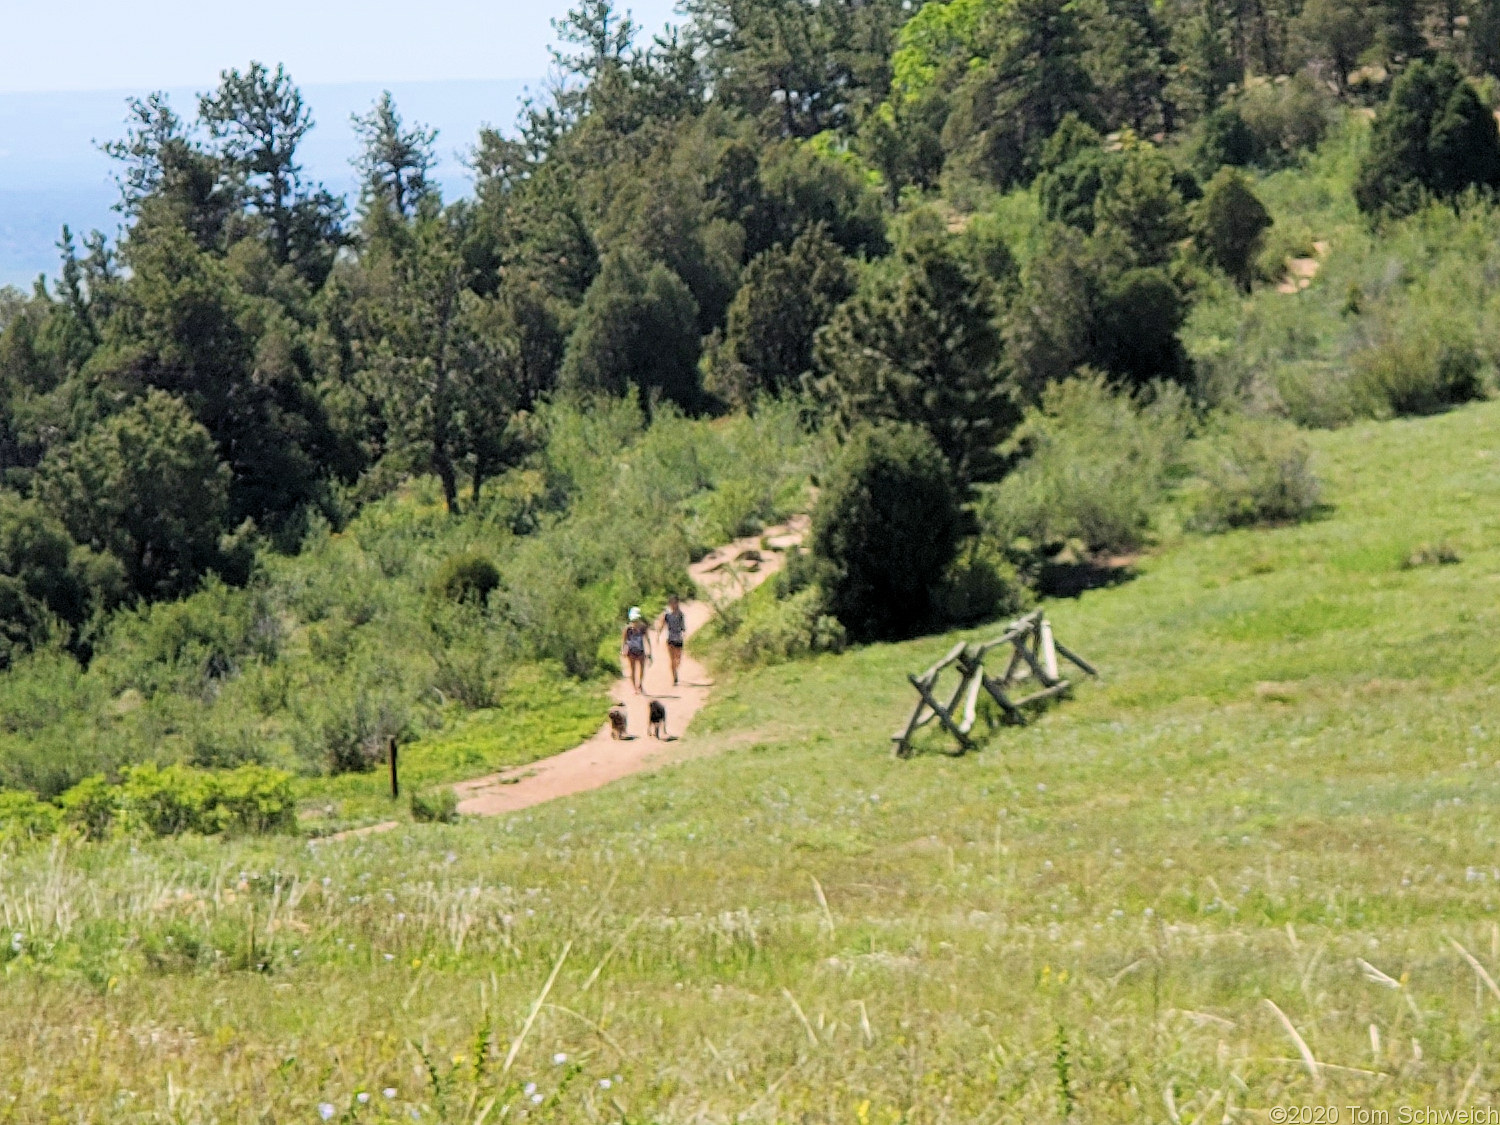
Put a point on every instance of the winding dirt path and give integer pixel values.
(723, 575)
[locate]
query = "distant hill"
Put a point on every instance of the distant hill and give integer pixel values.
(51, 171)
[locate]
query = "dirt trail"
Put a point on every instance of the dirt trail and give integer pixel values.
(725, 574)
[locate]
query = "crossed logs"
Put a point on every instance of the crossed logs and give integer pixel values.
(1034, 652)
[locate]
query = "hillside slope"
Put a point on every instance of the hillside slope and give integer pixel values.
(1284, 786)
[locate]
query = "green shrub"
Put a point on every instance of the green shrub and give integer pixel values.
(436, 806)
(190, 646)
(1286, 116)
(886, 526)
(24, 816)
(1224, 139)
(1255, 472)
(255, 799)
(468, 652)
(1417, 369)
(978, 585)
(92, 807)
(175, 799)
(1097, 464)
(772, 630)
(170, 801)
(355, 731)
(466, 577)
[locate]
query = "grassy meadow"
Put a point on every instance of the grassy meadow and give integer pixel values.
(1283, 789)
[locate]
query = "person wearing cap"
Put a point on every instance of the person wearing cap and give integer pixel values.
(636, 645)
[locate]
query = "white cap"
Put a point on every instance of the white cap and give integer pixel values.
(635, 613)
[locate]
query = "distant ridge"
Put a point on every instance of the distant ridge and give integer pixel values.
(51, 172)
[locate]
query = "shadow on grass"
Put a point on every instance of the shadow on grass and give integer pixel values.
(1070, 578)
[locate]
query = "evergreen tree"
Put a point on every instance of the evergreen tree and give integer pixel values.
(918, 344)
(1338, 32)
(147, 487)
(258, 120)
(394, 162)
(1229, 225)
(1434, 138)
(886, 526)
(1005, 110)
(1139, 201)
(788, 293)
(637, 328)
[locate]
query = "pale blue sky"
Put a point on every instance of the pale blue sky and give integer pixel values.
(66, 67)
(150, 44)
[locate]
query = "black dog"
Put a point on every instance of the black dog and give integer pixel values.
(658, 716)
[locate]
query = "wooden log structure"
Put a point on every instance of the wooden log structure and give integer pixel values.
(1033, 653)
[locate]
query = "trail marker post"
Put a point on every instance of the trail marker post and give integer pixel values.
(395, 778)
(1034, 653)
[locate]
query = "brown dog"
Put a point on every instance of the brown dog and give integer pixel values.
(658, 717)
(617, 723)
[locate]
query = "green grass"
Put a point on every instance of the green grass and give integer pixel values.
(1291, 763)
(542, 712)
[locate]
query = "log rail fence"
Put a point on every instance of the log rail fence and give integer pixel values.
(1034, 652)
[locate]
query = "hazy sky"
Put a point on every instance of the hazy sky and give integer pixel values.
(150, 44)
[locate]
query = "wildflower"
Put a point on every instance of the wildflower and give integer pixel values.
(389, 1091)
(390, 956)
(361, 1097)
(326, 1110)
(530, 1088)
(605, 1083)
(536, 1099)
(16, 942)
(559, 1058)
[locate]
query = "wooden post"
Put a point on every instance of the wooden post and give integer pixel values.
(944, 716)
(1049, 650)
(1076, 659)
(1012, 712)
(395, 777)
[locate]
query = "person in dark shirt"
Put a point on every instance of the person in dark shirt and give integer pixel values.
(674, 624)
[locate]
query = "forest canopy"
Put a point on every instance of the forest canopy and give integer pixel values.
(770, 199)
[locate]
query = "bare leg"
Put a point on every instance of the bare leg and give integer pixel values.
(675, 654)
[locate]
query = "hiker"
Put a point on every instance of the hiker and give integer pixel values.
(674, 622)
(637, 649)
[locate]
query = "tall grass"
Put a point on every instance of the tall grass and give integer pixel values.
(1283, 789)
